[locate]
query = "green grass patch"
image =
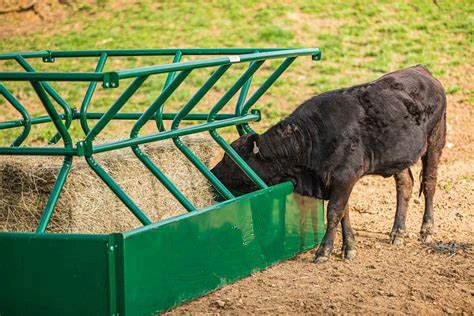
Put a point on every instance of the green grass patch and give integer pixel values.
(360, 40)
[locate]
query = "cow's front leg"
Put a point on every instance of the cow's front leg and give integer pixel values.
(339, 197)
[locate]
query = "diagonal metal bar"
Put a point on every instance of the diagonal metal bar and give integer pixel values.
(56, 119)
(54, 195)
(241, 101)
(264, 87)
(24, 113)
(52, 92)
(110, 182)
(167, 183)
(227, 148)
(169, 78)
(63, 173)
(123, 98)
(188, 152)
(89, 93)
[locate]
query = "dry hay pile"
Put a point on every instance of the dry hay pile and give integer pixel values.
(86, 204)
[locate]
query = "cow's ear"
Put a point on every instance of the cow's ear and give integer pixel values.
(286, 130)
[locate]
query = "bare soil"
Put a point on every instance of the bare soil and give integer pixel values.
(412, 278)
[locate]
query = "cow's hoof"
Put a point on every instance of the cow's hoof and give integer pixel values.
(426, 237)
(320, 258)
(397, 236)
(396, 239)
(348, 253)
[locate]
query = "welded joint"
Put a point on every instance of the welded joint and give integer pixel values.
(84, 148)
(258, 113)
(316, 56)
(111, 80)
(49, 58)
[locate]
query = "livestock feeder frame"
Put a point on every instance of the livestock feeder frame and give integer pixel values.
(155, 267)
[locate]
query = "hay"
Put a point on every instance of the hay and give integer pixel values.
(86, 204)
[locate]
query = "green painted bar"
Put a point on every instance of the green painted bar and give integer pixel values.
(185, 257)
(137, 52)
(55, 95)
(89, 93)
(119, 116)
(26, 122)
(169, 79)
(110, 182)
(180, 132)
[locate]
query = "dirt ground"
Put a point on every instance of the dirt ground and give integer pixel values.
(413, 278)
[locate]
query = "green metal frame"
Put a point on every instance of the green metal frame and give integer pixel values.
(130, 268)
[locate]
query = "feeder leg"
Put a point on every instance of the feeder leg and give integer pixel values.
(348, 238)
(335, 212)
(404, 185)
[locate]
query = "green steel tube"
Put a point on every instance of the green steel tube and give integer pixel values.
(37, 151)
(219, 105)
(89, 93)
(151, 110)
(26, 122)
(137, 52)
(54, 196)
(119, 116)
(267, 84)
(169, 78)
(52, 92)
(241, 101)
(123, 98)
(169, 89)
(179, 132)
(188, 152)
(56, 119)
(144, 71)
(118, 191)
(51, 76)
(263, 88)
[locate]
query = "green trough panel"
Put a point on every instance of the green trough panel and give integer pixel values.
(154, 268)
(52, 274)
(190, 255)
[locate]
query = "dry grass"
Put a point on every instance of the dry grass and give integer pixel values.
(87, 205)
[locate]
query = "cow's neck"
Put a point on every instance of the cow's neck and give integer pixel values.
(288, 143)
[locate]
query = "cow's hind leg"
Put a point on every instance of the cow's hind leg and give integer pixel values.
(335, 212)
(404, 185)
(430, 162)
(348, 238)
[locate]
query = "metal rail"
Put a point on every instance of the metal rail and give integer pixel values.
(177, 72)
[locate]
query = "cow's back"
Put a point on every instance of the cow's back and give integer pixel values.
(381, 126)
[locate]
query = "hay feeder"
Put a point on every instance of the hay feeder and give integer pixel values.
(119, 245)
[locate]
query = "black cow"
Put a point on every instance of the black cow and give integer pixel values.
(332, 140)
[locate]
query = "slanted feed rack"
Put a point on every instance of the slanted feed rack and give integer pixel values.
(159, 265)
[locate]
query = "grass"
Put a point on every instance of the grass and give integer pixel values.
(360, 41)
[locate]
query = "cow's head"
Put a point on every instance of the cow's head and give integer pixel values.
(229, 173)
